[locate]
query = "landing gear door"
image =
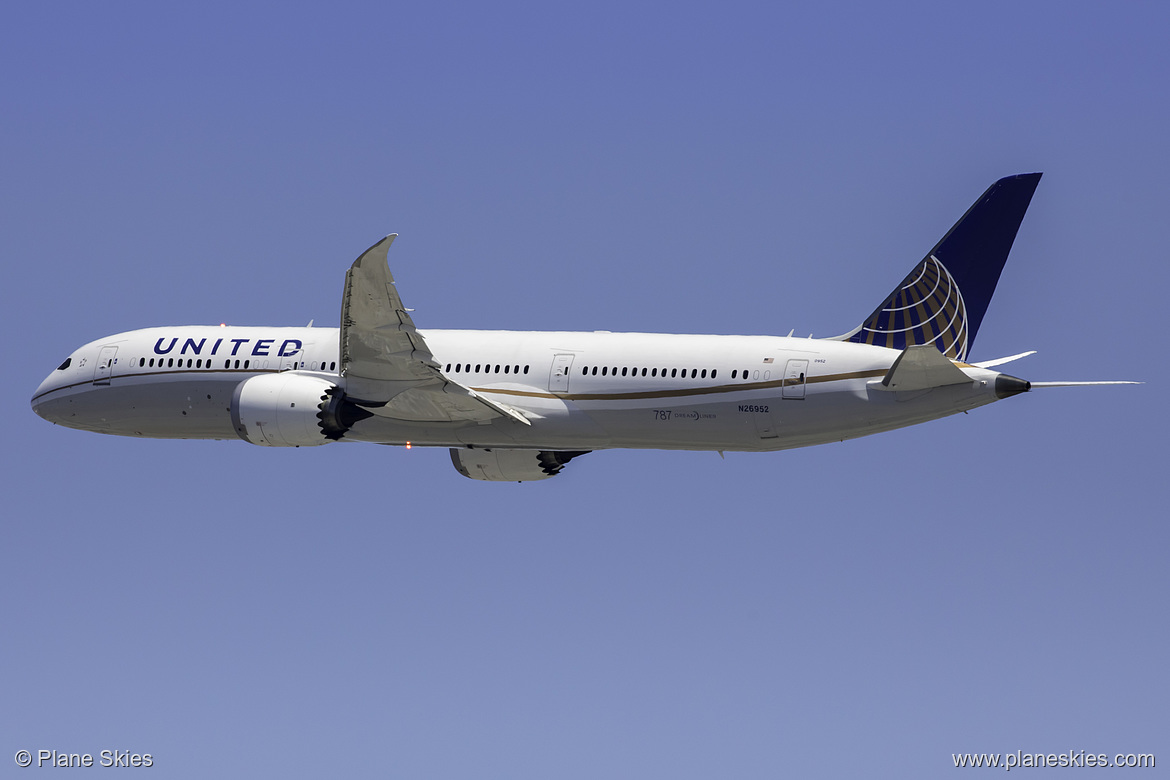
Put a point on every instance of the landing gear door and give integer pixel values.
(794, 378)
(105, 366)
(558, 377)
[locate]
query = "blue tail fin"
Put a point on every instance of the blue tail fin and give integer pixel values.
(943, 300)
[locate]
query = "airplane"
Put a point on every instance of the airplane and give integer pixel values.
(518, 406)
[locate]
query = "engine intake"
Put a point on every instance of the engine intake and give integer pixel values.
(291, 410)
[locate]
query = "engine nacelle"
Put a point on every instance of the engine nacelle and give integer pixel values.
(496, 465)
(284, 410)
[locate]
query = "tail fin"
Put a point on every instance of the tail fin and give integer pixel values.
(943, 300)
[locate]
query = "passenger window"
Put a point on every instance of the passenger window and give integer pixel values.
(478, 367)
(673, 373)
(506, 369)
(713, 371)
(604, 370)
(448, 368)
(654, 372)
(624, 369)
(704, 374)
(594, 371)
(525, 369)
(246, 363)
(497, 368)
(170, 362)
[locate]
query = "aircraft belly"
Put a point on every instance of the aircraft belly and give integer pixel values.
(887, 411)
(691, 426)
(560, 428)
(172, 410)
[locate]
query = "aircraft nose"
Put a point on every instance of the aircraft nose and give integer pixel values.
(43, 403)
(38, 401)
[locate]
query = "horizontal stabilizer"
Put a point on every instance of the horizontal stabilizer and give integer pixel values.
(1001, 361)
(921, 367)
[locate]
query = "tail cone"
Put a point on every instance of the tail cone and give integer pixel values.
(1007, 386)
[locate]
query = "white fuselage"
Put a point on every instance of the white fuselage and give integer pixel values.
(580, 391)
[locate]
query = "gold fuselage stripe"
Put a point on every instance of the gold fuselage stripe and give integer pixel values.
(682, 392)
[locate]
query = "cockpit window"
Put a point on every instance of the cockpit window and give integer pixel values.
(65, 365)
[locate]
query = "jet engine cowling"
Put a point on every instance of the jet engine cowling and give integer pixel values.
(500, 465)
(290, 410)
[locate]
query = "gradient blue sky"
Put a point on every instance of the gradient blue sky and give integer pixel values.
(991, 582)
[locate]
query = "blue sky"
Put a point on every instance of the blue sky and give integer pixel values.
(987, 583)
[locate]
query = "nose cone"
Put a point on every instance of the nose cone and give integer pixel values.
(40, 404)
(47, 403)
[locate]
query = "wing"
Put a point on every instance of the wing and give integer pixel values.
(387, 365)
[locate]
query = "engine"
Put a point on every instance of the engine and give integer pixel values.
(496, 465)
(291, 410)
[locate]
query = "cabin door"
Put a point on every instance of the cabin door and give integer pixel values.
(558, 377)
(296, 360)
(794, 379)
(105, 366)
